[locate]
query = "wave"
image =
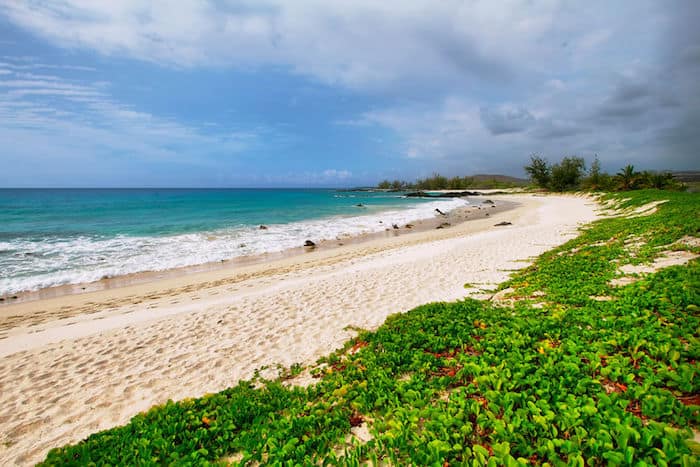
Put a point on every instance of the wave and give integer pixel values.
(27, 265)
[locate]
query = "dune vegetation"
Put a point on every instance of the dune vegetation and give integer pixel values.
(589, 356)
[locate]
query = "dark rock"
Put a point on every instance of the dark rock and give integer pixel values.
(309, 243)
(499, 193)
(360, 205)
(503, 223)
(14, 297)
(458, 194)
(409, 226)
(440, 212)
(396, 227)
(2, 299)
(487, 214)
(443, 225)
(449, 194)
(487, 201)
(263, 227)
(417, 194)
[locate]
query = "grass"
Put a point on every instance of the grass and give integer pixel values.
(576, 382)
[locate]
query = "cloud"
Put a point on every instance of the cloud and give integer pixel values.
(52, 123)
(679, 69)
(506, 119)
(31, 63)
(302, 178)
(334, 174)
(362, 44)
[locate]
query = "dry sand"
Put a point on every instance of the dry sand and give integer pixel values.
(77, 364)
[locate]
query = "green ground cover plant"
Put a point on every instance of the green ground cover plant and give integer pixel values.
(561, 377)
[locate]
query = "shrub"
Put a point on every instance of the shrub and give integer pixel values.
(567, 174)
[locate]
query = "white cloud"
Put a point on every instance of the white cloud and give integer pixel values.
(556, 84)
(594, 39)
(31, 63)
(360, 44)
(446, 131)
(334, 174)
(60, 119)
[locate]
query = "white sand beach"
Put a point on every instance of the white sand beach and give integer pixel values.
(77, 364)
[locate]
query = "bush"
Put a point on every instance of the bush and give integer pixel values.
(567, 174)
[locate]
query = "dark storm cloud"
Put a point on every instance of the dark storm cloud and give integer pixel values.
(681, 68)
(501, 121)
(464, 58)
(549, 129)
(629, 101)
(633, 99)
(628, 91)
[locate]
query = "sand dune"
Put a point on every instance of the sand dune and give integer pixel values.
(78, 364)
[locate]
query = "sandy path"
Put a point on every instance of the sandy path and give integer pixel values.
(73, 374)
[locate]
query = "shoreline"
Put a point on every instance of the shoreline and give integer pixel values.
(454, 217)
(81, 363)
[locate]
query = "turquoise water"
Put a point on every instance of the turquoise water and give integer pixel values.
(50, 237)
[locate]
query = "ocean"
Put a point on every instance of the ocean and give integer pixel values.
(51, 237)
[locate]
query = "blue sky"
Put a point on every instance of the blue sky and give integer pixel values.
(317, 93)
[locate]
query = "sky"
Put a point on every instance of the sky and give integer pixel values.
(340, 93)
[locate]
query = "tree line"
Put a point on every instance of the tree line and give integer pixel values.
(440, 182)
(570, 174)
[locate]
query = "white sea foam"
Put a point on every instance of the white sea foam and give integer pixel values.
(30, 265)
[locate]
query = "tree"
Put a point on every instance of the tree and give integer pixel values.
(458, 183)
(626, 178)
(597, 179)
(436, 182)
(567, 174)
(658, 180)
(593, 181)
(384, 185)
(539, 171)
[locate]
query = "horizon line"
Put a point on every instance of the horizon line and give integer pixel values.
(184, 188)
